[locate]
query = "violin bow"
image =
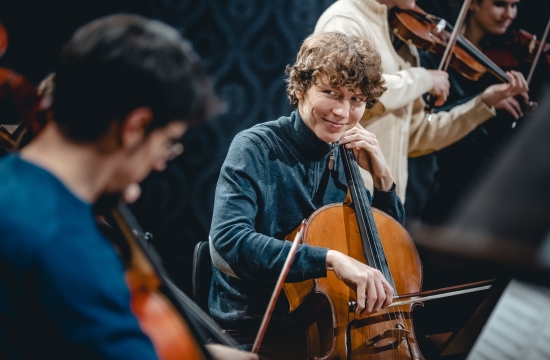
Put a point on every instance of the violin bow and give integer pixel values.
(278, 288)
(539, 52)
(442, 293)
(435, 294)
(446, 59)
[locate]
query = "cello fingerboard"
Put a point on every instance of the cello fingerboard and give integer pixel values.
(372, 246)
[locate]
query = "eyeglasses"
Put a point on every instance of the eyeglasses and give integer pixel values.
(175, 149)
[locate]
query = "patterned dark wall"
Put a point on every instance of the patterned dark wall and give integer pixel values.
(244, 45)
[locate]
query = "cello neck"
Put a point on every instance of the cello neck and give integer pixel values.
(118, 214)
(372, 246)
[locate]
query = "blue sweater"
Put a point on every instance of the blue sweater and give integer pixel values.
(275, 175)
(62, 288)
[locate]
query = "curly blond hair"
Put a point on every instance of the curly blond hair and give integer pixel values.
(348, 61)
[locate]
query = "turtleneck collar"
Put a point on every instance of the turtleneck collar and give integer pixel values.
(376, 8)
(305, 140)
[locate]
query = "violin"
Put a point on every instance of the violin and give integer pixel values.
(325, 305)
(20, 103)
(429, 33)
(517, 51)
(3, 40)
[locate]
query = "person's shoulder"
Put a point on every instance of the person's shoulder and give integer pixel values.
(34, 205)
(346, 8)
(264, 134)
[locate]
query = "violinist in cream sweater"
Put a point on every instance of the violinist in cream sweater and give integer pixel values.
(399, 120)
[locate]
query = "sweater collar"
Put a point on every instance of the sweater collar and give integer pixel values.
(374, 7)
(305, 140)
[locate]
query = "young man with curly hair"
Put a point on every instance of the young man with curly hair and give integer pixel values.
(279, 172)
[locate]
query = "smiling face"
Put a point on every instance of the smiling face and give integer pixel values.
(330, 110)
(493, 16)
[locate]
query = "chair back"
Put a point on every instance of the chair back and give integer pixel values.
(202, 274)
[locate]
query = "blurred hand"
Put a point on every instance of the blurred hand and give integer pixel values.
(501, 95)
(441, 86)
(131, 193)
(373, 291)
(222, 352)
(511, 105)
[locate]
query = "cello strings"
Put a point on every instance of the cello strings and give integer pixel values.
(383, 266)
(380, 258)
(393, 316)
(348, 157)
(360, 204)
(366, 216)
(365, 207)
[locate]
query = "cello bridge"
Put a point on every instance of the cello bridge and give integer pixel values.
(398, 334)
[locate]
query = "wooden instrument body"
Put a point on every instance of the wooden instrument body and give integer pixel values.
(172, 338)
(423, 34)
(332, 330)
(158, 317)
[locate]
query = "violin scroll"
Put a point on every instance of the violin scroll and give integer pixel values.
(3, 40)
(21, 103)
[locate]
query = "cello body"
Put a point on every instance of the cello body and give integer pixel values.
(333, 330)
(158, 316)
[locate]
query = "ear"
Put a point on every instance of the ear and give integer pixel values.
(299, 95)
(474, 6)
(134, 125)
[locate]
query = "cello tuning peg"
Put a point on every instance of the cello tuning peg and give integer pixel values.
(440, 26)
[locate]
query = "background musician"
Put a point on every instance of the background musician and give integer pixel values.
(126, 90)
(439, 181)
(278, 173)
(400, 122)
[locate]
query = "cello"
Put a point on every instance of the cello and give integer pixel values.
(158, 317)
(325, 305)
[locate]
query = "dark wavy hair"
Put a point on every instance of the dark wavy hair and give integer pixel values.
(121, 62)
(348, 61)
